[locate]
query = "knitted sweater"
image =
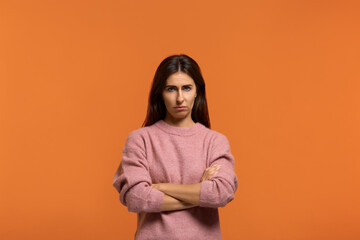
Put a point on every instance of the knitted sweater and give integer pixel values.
(163, 153)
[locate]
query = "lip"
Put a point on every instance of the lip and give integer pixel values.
(180, 108)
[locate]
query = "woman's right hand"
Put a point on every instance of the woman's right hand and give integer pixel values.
(210, 172)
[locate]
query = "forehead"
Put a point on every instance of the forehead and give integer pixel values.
(179, 78)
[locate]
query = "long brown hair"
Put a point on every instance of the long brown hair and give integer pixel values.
(177, 63)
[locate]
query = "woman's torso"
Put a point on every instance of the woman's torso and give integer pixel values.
(182, 159)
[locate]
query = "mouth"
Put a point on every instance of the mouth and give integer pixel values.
(180, 108)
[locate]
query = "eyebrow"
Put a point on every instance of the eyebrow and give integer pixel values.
(187, 85)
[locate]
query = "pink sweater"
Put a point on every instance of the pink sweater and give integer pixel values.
(162, 153)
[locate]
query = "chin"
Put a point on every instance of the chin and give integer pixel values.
(180, 115)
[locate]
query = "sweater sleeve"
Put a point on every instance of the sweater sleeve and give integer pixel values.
(132, 179)
(220, 189)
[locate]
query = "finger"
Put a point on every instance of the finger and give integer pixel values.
(209, 168)
(211, 174)
(214, 173)
(202, 177)
(217, 166)
(212, 166)
(212, 169)
(206, 176)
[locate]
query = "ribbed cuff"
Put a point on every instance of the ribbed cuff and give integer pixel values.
(156, 201)
(206, 195)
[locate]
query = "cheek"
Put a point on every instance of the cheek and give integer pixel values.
(167, 100)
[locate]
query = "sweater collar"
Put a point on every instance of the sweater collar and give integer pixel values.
(180, 131)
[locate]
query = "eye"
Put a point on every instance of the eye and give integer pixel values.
(188, 88)
(170, 88)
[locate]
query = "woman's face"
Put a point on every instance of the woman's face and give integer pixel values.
(180, 90)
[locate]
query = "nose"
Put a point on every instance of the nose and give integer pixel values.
(179, 96)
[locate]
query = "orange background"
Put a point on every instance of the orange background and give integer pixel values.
(282, 81)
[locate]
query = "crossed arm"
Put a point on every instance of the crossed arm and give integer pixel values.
(183, 196)
(133, 181)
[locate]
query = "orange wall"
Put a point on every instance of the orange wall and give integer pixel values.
(282, 84)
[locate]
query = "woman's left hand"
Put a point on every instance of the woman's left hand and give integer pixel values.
(210, 172)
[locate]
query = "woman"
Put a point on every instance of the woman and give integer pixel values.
(175, 171)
